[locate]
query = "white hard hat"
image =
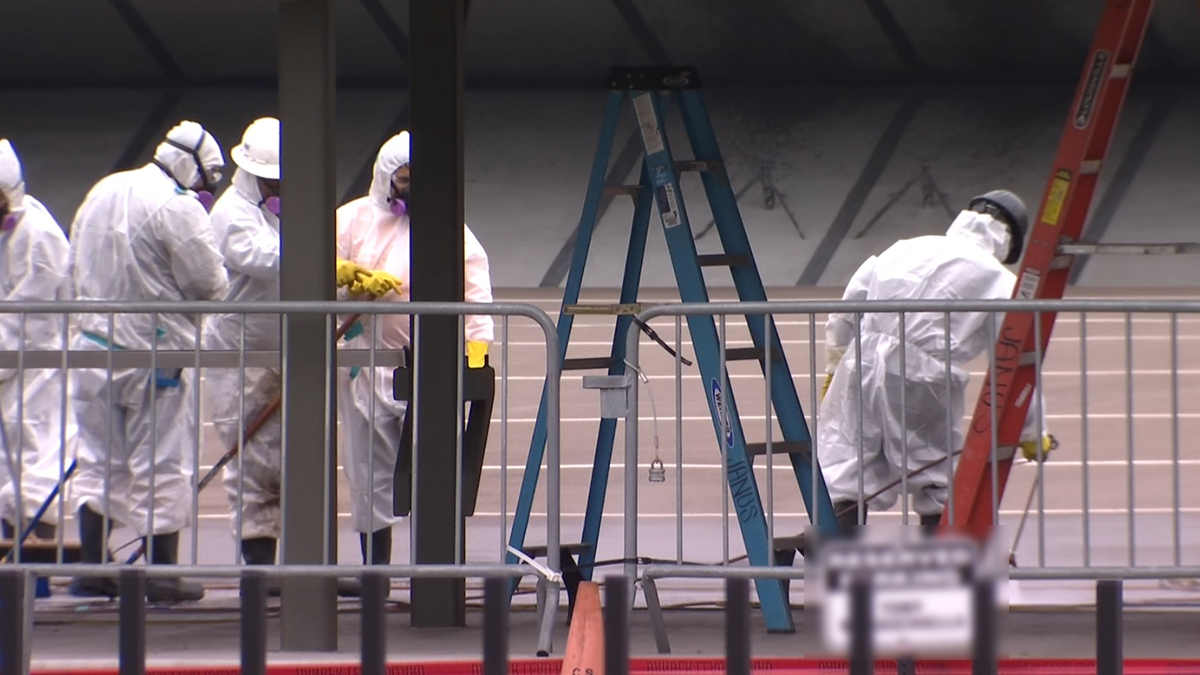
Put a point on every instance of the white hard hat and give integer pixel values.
(258, 153)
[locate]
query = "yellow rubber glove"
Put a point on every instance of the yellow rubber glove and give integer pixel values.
(476, 351)
(348, 272)
(377, 282)
(1030, 450)
(825, 386)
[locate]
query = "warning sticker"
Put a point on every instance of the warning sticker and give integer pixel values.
(1027, 289)
(648, 121)
(1058, 195)
(668, 205)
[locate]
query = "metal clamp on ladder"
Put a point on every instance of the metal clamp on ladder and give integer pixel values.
(652, 91)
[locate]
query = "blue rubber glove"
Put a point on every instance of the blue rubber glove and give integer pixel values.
(354, 331)
(354, 372)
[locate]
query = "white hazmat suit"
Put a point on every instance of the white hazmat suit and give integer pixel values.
(142, 235)
(37, 445)
(248, 235)
(372, 236)
(962, 265)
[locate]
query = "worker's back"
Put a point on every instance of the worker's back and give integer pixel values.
(960, 265)
(138, 238)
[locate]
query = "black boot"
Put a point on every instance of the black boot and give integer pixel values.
(92, 540)
(929, 524)
(166, 590)
(848, 521)
(261, 551)
(40, 531)
(381, 554)
(381, 547)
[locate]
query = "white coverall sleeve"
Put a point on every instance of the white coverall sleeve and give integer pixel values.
(251, 249)
(478, 288)
(196, 262)
(38, 277)
(840, 328)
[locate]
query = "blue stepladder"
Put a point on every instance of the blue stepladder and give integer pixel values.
(651, 90)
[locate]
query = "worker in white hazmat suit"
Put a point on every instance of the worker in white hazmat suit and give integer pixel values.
(246, 221)
(143, 235)
(967, 263)
(373, 231)
(37, 435)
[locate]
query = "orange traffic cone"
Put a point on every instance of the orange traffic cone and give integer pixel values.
(585, 639)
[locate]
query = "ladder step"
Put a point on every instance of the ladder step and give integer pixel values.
(744, 354)
(682, 165)
(1090, 167)
(723, 260)
(1120, 70)
(778, 448)
(594, 363)
(618, 190)
(1061, 262)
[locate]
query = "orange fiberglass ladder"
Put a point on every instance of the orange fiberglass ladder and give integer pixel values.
(1045, 267)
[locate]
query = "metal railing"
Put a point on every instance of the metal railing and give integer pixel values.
(1074, 412)
(107, 355)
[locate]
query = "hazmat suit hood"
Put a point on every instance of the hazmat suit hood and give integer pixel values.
(12, 182)
(246, 185)
(180, 162)
(983, 230)
(393, 155)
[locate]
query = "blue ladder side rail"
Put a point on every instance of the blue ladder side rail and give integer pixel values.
(748, 282)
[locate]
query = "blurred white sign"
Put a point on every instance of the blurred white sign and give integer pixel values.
(921, 594)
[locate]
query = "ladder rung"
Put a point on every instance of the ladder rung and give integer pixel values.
(1120, 70)
(594, 363)
(682, 165)
(723, 260)
(1028, 359)
(778, 448)
(618, 190)
(1090, 167)
(744, 354)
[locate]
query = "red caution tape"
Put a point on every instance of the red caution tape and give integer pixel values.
(671, 666)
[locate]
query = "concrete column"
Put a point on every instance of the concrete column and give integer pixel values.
(306, 104)
(436, 68)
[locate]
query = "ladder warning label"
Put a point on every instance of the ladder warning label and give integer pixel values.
(643, 105)
(1058, 195)
(1087, 102)
(668, 205)
(1027, 289)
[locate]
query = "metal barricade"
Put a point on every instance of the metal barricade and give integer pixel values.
(183, 367)
(1134, 426)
